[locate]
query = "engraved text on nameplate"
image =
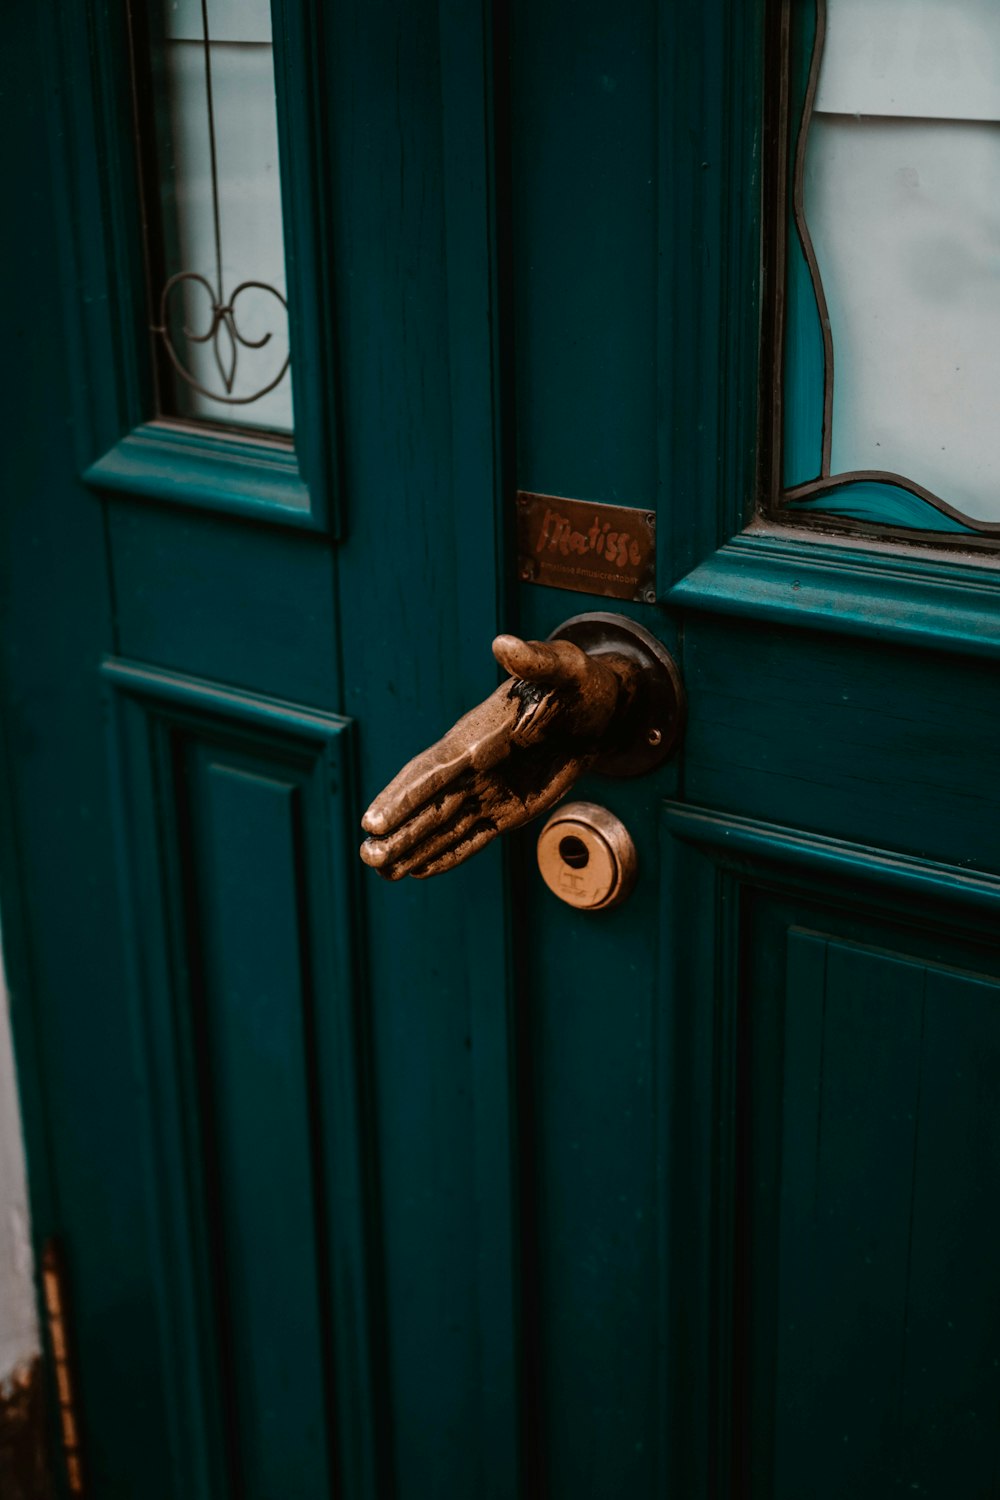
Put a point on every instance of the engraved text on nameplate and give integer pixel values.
(594, 549)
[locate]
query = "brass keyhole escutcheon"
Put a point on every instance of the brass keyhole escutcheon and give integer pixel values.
(587, 857)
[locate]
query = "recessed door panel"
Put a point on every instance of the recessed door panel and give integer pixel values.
(836, 1267)
(252, 1003)
(231, 811)
(887, 1308)
(893, 747)
(245, 605)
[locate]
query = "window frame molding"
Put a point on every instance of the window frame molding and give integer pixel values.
(723, 549)
(793, 57)
(121, 446)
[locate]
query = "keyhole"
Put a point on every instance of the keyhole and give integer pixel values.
(573, 852)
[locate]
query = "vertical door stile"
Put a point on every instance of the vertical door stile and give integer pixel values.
(474, 104)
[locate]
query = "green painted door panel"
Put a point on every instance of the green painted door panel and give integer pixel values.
(237, 862)
(838, 1242)
(234, 603)
(221, 775)
(443, 1189)
(820, 731)
(887, 1305)
(254, 1051)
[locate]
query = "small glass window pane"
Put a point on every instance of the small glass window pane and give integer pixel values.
(898, 200)
(212, 189)
(900, 214)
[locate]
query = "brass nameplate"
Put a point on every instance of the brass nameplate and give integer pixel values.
(594, 549)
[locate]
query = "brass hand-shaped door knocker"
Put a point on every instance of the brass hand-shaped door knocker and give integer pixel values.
(601, 694)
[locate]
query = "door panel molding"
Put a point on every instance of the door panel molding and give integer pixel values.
(733, 890)
(887, 1140)
(747, 846)
(905, 595)
(240, 920)
(892, 748)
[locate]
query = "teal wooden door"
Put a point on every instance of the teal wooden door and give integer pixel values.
(444, 1189)
(289, 1268)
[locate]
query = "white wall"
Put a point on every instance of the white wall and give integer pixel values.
(18, 1325)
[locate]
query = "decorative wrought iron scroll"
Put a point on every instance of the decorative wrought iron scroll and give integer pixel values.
(223, 330)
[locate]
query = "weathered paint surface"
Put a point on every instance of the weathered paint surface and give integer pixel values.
(18, 1322)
